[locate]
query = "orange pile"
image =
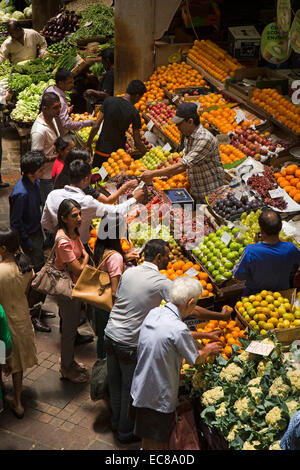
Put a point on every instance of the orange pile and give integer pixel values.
(176, 181)
(212, 99)
(230, 154)
(279, 107)
(170, 76)
(230, 335)
(121, 161)
(172, 131)
(289, 180)
(213, 59)
(177, 269)
(223, 119)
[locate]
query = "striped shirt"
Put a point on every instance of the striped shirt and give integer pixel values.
(204, 166)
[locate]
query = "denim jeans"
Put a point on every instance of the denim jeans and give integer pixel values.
(121, 363)
(101, 318)
(46, 186)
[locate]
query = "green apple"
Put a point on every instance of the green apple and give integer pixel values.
(204, 259)
(228, 265)
(222, 270)
(219, 279)
(213, 259)
(228, 274)
(215, 273)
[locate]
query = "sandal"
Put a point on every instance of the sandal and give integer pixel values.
(80, 367)
(18, 412)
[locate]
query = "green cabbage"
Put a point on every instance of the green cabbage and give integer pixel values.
(18, 15)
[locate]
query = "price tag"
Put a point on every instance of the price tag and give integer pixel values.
(194, 322)
(167, 147)
(256, 347)
(158, 228)
(150, 125)
(230, 225)
(103, 173)
(176, 97)
(238, 195)
(2, 353)
(226, 238)
(192, 272)
(239, 116)
(275, 193)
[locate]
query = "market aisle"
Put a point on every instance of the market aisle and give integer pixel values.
(58, 414)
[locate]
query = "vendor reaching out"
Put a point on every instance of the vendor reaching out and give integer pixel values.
(118, 113)
(106, 86)
(23, 44)
(201, 159)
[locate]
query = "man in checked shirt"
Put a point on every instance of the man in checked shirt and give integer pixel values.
(201, 159)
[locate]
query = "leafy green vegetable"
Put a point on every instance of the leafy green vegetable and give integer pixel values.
(27, 106)
(97, 69)
(102, 19)
(18, 82)
(68, 59)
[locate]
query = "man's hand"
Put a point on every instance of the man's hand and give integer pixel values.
(139, 194)
(7, 368)
(129, 185)
(90, 92)
(70, 108)
(214, 335)
(147, 176)
(132, 255)
(213, 349)
(95, 125)
(227, 311)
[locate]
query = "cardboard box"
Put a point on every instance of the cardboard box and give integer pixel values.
(244, 42)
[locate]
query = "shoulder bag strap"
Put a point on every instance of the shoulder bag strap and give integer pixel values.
(111, 252)
(50, 257)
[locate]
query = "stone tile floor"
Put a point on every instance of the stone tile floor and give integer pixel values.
(58, 414)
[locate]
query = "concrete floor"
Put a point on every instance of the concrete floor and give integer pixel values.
(58, 414)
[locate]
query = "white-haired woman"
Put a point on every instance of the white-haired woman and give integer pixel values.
(164, 342)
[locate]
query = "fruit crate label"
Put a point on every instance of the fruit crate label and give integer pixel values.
(158, 228)
(226, 238)
(195, 322)
(2, 352)
(176, 97)
(275, 193)
(230, 225)
(167, 147)
(103, 173)
(150, 125)
(256, 347)
(192, 272)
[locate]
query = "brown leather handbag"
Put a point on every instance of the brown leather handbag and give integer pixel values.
(94, 286)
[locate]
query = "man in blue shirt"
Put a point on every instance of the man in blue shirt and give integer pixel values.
(25, 217)
(268, 264)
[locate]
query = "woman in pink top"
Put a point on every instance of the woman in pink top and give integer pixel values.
(71, 255)
(63, 145)
(111, 230)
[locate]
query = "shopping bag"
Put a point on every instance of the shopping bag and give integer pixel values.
(184, 434)
(99, 383)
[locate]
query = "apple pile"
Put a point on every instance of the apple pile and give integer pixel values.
(253, 143)
(217, 255)
(81, 117)
(157, 158)
(160, 113)
(130, 146)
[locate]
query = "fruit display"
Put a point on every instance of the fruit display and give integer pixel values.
(265, 183)
(289, 180)
(120, 161)
(268, 310)
(213, 59)
(248, 399)
(130, 145)
(176, 181)
(230, 334)
(230, 154)
(211, 99)
(179, 268)
(254, 144)
(279, 107)
(160, 113)
(231, 207)
(219, 253)
(224, 119)
(158, 158)
(172, 132)
(188, 228)
(140, 233)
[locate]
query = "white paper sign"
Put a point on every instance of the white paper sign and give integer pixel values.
(192, 272)
(256, 347)
(239, 116)
(157, 229)
(2, 353)
(275, 193)
(226, 238)
(238, 195)
(230, 225)
(150, 125)
(167, 147)
(103, 173)
(176, 97)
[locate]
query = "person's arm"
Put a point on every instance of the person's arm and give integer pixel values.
(211, 349)
(17, 207)
(4, 52)
(67, 122)
(101, 209)
(68, 257)
(169, 171)
(114, 285)
(212, 335)
(49, 219)
(38, 143)
(98, 94)
(115, 196)
(139, 145)
(42, 44)
(189, 350)
(95, 129)
(205, 314)
(76, 267)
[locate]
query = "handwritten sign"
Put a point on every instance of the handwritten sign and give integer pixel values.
(150, 125)
(2, 352)
(256, 347)
(192, 272)
(103, 173)
(239, 116)
(226, 238)
(167, 147)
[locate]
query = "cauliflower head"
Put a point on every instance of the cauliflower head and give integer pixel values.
(244, 356)
(231, 373)
(250, 445)
(292, 405)
(212, 396)
(279, 388)
(221, 411)
(198, 381)
(262, 367)
(256, 393)
(242, 404)
(273, 417)
(294, 377)
(254, 382)
(231, 435)
(275, 446)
